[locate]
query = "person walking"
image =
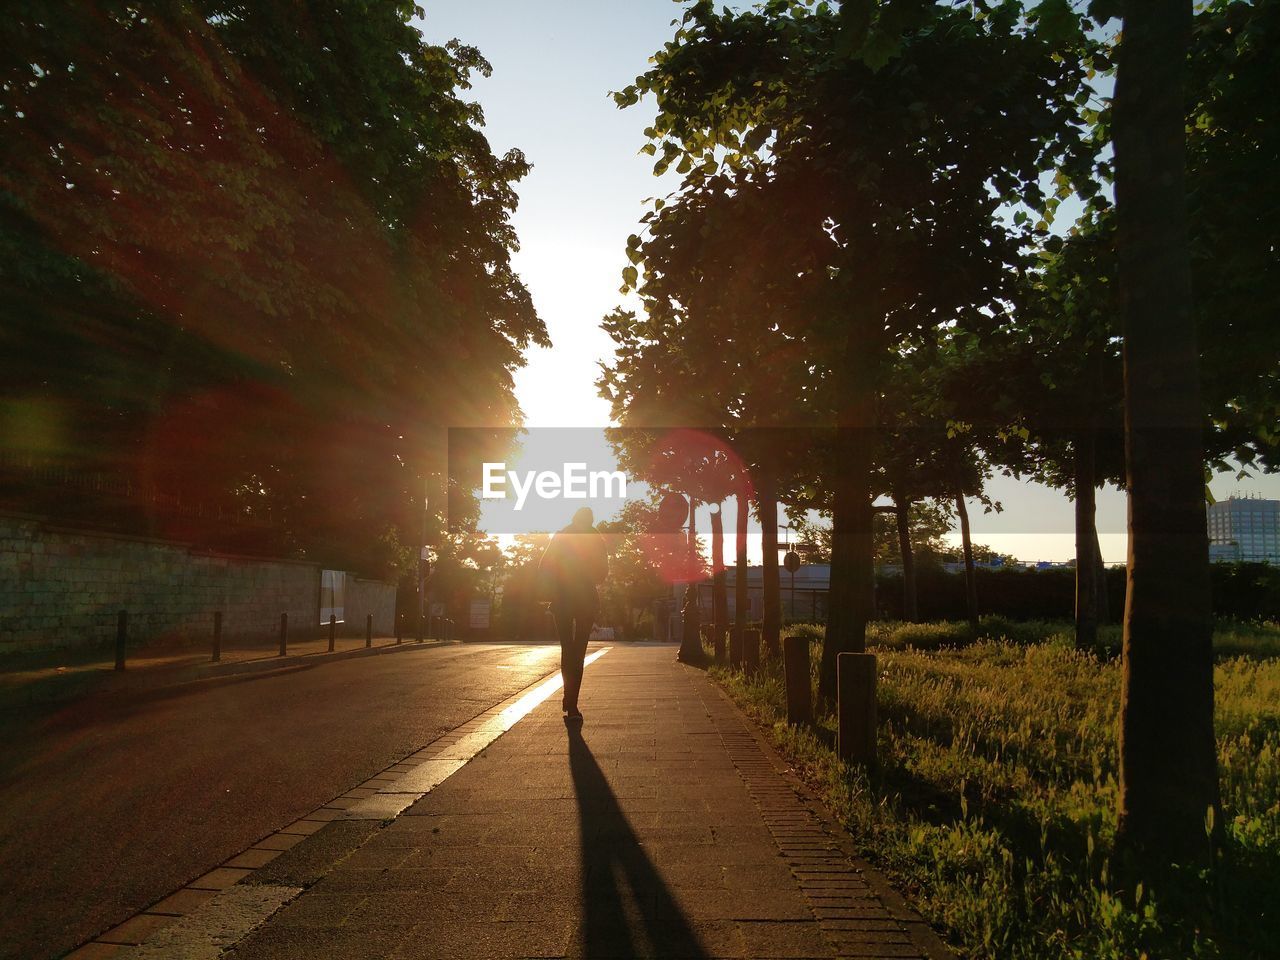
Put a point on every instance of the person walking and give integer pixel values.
(574, 563)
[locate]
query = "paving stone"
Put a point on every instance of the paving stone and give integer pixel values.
(871, 911)
(304, 826)
(253, 858)
(219, 878)
(136, 929)
(278, 841)
(183, 901)
(326, 813)
(880, 951)
(98, 951)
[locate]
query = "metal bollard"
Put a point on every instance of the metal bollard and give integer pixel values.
(751, 652)
(399, 619)
(284, 633)
(368, 630)
(856, 707)
(122, 635)
(795, 667)
(333, 629)
(217, 636)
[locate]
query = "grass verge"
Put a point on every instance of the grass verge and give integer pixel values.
(994, 804)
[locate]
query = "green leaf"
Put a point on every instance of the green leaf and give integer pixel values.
(1057, 24)
(880, 48)
(756, 138)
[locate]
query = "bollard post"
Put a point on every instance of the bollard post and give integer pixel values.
(795, 667)
(333, 629)
(284, 633)
(217, 636)
(399, 619)
(856, 707)
(368, 630)
(122, 634)
(751, 651)
(418, 630)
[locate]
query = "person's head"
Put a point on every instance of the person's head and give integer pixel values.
(583, 518)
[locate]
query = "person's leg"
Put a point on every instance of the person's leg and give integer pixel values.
(563, 617)
(583, 620)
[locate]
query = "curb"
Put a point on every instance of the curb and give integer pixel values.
(108, 683)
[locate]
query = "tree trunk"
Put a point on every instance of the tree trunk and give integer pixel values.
(1104, 595)
(719, 592)
(1086, 537)
(902, 515)
(740, 584)
(852, 536)
(1168, 764)
(690, 619)
(970, 575)
(771, 632)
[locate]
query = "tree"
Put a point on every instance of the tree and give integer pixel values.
(236, 244)
(1232, 141)
(1167, 689)
(838, 107)
(634, 578)
(704, 356)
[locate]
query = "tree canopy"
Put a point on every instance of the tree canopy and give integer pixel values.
(253, 256)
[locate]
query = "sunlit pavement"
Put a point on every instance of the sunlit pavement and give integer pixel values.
(659, 827)
(113, 804)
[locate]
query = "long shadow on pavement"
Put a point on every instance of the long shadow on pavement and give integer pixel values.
(611, 858)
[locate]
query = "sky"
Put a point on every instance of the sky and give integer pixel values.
(554, 64)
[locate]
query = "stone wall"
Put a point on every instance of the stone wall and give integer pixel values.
(63, 588)
(370, 596)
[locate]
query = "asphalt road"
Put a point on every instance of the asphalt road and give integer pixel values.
(107, 805)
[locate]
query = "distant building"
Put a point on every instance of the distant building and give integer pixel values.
(1245, 528)
(1220, 552)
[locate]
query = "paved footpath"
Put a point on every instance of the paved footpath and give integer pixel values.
(660, 827)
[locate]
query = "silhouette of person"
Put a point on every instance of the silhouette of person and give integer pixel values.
(574, 563)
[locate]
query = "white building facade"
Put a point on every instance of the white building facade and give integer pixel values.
(1245, 528)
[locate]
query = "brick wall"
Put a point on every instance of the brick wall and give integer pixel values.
(63, 588)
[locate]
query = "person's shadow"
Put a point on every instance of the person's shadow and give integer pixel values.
(627, 909)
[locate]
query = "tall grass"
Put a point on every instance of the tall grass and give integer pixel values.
(994, 803)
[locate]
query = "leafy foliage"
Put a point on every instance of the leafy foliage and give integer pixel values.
(257, 256)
